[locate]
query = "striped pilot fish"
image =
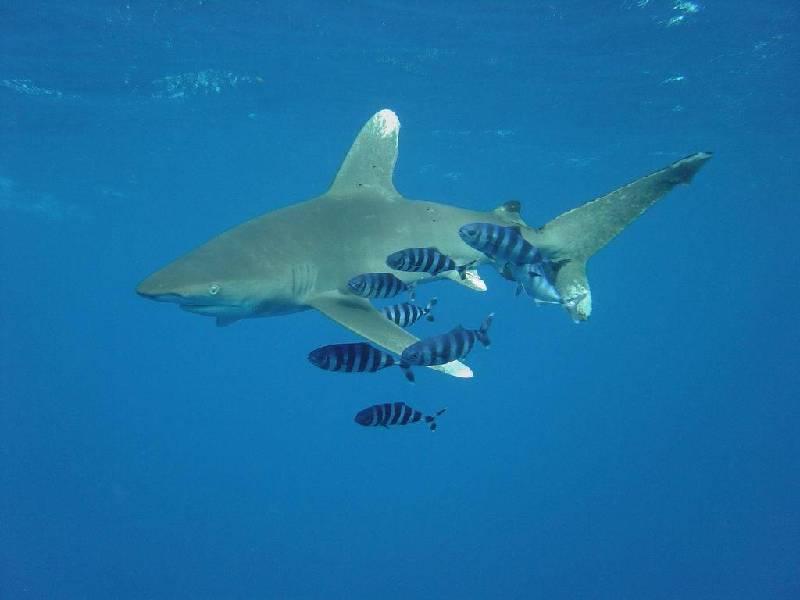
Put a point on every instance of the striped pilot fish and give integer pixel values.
(358, 357)
(407, 314)
(424, 260)
(447, 347)
(537, 281)
(398, 413)
(501, 244)
(378, 285)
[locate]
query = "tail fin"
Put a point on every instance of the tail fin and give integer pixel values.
(431, 420)
(579, 233)
(428, 309)
(406, 368)
(483, 332)
(462, 270)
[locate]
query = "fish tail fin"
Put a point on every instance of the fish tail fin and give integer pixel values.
(431, 419)
(462, 270)
(428, 309)
(406, 368)
(575, 236)
(483, 332)
(411, 288)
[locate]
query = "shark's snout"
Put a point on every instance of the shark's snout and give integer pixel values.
(147, 290)
(153, 289)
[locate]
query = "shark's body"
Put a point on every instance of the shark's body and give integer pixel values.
(302, 256)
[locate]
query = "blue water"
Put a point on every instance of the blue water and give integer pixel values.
(650, 453)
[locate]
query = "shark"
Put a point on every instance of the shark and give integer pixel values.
(300, 257)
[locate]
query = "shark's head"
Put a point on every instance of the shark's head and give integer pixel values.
(217, 284)
(226, 299)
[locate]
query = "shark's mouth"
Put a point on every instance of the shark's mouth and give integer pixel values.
(213, 310)
(198, 305)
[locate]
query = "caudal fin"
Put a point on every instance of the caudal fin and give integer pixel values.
(428, 309)
(462, 270)
(407, 371)
(576, 235)
(483, 332)
(431, 420)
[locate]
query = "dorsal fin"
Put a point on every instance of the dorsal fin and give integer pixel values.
(509, 211)
(369, 165)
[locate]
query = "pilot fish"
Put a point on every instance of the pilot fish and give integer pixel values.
(537, 280)
(398, 413)
(502, 244)
(423, 260)
(358, 357)
(407, 314)
(446, 347)
(378, 285)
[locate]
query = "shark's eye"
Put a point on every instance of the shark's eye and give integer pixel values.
(214, 289)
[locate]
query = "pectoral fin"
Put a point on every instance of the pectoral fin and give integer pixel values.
(358, 315)
(225, 320)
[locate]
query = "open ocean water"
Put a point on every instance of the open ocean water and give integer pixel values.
(650, 453)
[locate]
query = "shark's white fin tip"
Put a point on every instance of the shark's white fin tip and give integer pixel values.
(457, 369)
(475, 281)
(464, 373)
(386, 122)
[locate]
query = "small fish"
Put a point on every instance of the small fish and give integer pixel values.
(359, 357)
(502, 244)
(447, 347)
(378, 285)
(537, 280)
(407, 314)
(398, 413)
(424, 260)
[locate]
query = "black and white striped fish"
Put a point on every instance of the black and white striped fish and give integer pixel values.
(358, 357)
(378, 285)
(398, 413)
(502, 244)
(423, 260)
(447, 347)
(407, 314)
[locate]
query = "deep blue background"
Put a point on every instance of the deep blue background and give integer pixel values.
(650, 453)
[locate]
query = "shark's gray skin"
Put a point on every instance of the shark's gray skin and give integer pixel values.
(301, 257)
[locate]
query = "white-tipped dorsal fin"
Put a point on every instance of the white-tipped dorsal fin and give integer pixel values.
(369, 165)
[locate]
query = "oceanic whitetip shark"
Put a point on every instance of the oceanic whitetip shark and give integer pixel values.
(301, 257)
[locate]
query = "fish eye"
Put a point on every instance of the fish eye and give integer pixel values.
(214, 289)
